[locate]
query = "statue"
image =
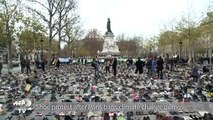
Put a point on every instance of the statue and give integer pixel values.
(108, 27)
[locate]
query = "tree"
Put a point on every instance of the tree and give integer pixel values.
(128, 47)
(10, 14)
(93, 34)
(72, 32)
(30, 35)
(3, 43)
(64, 9)
(51, 7)
(121, 37)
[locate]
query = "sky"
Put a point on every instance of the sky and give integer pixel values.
(137, 17)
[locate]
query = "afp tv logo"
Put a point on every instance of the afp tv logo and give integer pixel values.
(23, 105)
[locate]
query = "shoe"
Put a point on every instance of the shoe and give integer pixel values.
(10, 107)
(211, 116)
(131, 113)
(28, 112)
(137, 113)
(128, 118)
(9, 118)
(50, 114)
(67, 100)
(38, 114)
(147, 118)
(173, 112)
(16, 113)
(45, 118)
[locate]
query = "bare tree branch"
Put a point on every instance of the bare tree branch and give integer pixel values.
(39, 13)
(41, 4)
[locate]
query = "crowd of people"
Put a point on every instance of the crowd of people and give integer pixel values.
(144, 80)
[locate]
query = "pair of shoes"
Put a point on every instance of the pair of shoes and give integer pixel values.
(194, 117)
(130, 113)
(146, 118)
(139, 113)
(45, 118)
(173, 112)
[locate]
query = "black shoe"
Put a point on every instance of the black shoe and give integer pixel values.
(210, 115)
(131, 113)
(137, 113)
(67, 100)
(28, 112)
(45, 118)
(144, 118)
(195, 117)
(147, 118)
(128, 118)
(16, 113)
(127, 114)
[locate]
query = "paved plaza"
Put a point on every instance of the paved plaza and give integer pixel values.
(75, 83)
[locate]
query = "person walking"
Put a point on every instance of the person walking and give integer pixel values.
(159, 67)
(114, 67)
(139, 67)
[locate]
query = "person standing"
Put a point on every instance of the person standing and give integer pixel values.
(28, 65)
(167, 61)
(139, 67)
(114, 67)
(159, 67)
(172, 61)
(131, 62)
(195, 72)
(153, 66)
(57, 63)
(23, 64)
(149, 67)
(108, 63)
(43, 61)
(95, 65)
(1, 65)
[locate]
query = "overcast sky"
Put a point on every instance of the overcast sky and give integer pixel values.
(137, 17)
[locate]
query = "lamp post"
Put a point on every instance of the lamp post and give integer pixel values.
(180, 43)
(150, 51)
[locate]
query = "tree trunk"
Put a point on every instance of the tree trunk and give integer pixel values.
(9, 47)
(50, 41)
(69, 49)
(59, 36)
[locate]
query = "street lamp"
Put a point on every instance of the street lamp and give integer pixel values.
(180, 43)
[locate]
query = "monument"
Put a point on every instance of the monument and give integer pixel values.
(109, 47)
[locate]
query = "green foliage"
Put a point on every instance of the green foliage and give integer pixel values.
(31, 35)
(10, 14)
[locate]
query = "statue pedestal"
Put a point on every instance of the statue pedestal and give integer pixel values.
(110, 47)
